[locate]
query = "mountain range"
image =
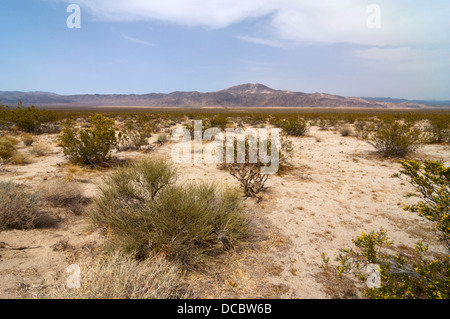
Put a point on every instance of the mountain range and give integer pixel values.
(244, 95)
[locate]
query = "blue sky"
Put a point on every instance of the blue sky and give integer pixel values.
(144, 46)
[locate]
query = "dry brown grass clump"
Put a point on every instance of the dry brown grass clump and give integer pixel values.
(64, 194)
(20, 209)
(123, 277)
(346, 130)
(40, 150)
(27, 139)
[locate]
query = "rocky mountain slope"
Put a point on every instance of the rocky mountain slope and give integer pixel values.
(245, 95)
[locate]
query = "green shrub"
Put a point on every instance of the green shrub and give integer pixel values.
(395, 139)
(219, 121)
(432, 180)
(294, 126)
(139, 130)
(92, 145)
(30, 119)
(7, 148)
(399, 276)
(145, 214)
(135, 184)
(195, 221)
(18, 208)
(250, 175)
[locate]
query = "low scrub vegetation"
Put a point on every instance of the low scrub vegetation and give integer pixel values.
(395, 138)
(250, 177)
(7, 148)
(138, 130)
(432, 181)
(145, 213)
(20, 209)
(250, 173)
(294, 126)
(27, 119)
(346, 130)
(92, 145)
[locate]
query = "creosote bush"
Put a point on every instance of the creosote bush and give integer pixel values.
(92, 145)
(138, 131)
(432, 181)
(7, 148)
(294, 126)
(395, 138)
(28, 119)
(144, 213)
(415, 276)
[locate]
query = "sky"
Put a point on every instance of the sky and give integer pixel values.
(367, 48)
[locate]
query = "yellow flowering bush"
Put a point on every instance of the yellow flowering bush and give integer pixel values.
(420, 275)
(432, 181)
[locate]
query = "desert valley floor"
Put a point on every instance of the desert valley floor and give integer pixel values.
(337, 188)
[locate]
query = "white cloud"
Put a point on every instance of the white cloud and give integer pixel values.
(135, 40)
(326, 21)
(206, 13)
(268, 42)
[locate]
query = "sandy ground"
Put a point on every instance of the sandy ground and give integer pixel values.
(338, 187)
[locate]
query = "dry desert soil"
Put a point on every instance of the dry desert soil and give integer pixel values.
(337, 187)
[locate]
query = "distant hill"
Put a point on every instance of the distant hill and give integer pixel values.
(434, 103)
(244, 95)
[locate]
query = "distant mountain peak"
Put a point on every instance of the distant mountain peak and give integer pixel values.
(249, 88)
(243, 95)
